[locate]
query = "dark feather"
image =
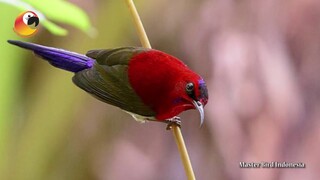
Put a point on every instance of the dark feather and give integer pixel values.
(108, 79)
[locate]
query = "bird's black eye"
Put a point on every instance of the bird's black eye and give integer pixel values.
(190, 88)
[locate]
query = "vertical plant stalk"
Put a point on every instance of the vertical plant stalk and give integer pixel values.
(175, 128)
(183, 152)
(138, 24)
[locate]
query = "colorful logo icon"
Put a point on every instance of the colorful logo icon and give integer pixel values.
(26, 24)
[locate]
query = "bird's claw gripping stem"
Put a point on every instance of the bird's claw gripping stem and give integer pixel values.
(173, 121)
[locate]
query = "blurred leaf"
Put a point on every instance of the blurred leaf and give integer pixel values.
(57, 10)
(53, 28)
(62, 11)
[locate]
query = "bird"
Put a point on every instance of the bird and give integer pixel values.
(149, 84)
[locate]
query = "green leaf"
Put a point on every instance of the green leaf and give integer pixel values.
(64, 12)
(59, 11)
(53, 28)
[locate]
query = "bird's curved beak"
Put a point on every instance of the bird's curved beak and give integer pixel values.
(198, 105)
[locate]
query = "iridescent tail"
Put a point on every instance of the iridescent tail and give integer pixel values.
(60, 58)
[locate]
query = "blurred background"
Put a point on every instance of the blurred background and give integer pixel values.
(260, 60)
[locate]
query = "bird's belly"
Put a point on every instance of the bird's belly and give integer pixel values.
(140, 118)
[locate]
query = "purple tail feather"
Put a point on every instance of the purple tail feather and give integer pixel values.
(60, 58)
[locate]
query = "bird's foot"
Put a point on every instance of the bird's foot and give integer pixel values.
(173, 121)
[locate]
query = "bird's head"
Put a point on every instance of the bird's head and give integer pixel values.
(195, 95)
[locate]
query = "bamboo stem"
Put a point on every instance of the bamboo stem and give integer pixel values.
(138, 24)
(175, 129)
(183, 152)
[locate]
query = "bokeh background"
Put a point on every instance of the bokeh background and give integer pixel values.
(260, 60)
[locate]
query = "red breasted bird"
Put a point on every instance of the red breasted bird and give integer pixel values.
(147, 83)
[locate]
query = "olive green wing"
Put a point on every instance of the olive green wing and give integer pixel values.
(108, 79)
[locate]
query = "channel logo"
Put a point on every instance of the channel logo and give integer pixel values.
(26, 24)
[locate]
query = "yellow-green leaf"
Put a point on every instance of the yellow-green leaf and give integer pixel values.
(53, 28)
(62, 11)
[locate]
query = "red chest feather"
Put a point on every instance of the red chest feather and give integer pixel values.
(159, 79)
